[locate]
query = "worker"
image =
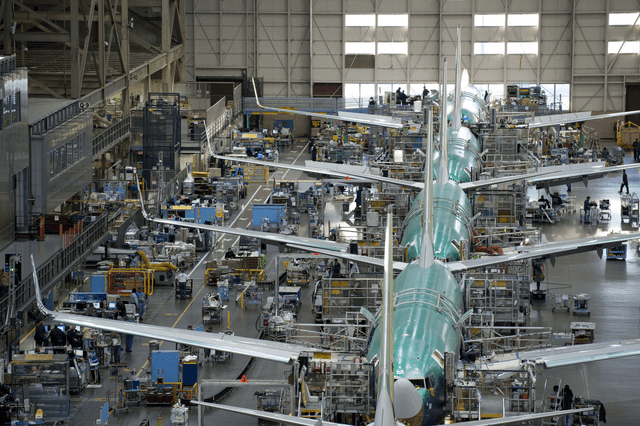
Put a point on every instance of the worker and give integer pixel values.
(116, 344)
(86, 337)
(229, 254)
(182, 283)
(398, 96)
(544, 203)
(134, 298)
(605, 153)
(58, 338)
(372, 101)
(335, 269)
(142, 304)
(40, 335)
(74, 338)
(625, 182)
(587, 209)
(129, 339)
(636, 151)
(403, 98)
(122, 311)
(567, 403)
(425, 92)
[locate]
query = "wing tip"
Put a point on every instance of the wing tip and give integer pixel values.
(39, 302)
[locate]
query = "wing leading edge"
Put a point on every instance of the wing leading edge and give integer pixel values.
(274, 351)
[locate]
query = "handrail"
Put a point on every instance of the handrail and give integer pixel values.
(53, 268)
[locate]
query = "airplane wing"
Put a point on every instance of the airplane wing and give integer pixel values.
(557, 119)
(398, 266)
(565, 355)
(555, 175)
(265, 415)
(368, 119)
(265, 349)
(550, 250)
(308, 244)
(300, 421)
(332, 172)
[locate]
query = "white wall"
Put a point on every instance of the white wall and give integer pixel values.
(572, 41)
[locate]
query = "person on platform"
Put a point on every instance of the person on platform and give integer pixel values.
(40, 335)
(182, 284)
(229, 254)
(625, 182)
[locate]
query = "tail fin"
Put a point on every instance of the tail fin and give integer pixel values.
(39, 302)
(384, 407)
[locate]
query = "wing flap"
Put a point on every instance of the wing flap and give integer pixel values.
(557, 248)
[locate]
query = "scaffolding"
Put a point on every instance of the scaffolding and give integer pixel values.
(345, 296)
(161, 133)
(504, 296)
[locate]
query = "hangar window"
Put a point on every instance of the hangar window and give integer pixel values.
(360, 20)
(522, 48)
(362, 48)
(616, 47)
(397, 48)
(489, 20)
(393, 20)
(488, 48)
(523, 20)
(624, 18)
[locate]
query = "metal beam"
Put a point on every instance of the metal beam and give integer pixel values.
(43, 37)
(75, 48)
(44, 87)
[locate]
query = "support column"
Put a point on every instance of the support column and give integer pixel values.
(7, 17)
(101, 54)
(126, 93)
(166, 44)
(75, 49)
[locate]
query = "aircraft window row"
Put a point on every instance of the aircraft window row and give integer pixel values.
(65, 156)
(369, 48)
(510, 20)
(626, 19)
(369, 20)
(11, 110)
(615, 47)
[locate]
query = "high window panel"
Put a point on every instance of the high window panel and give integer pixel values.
(489, 20)
(624, 18)
(360, 20)
(401, 20)
(615, 47)
(522, 48)
(363, 48)
(393, 48)
(488, 48)
(523, 20)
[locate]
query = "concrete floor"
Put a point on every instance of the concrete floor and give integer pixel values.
(611, 284)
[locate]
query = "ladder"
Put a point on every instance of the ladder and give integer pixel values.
(551, 401)
(595, 146)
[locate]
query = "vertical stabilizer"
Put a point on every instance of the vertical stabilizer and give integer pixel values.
(443, 163)
(426, 250)
(384, 406)
(456, 118)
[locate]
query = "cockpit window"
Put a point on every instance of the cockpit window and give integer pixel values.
(418, 383)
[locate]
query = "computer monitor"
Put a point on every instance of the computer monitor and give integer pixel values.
(112, 305)
(47, 328)
(96, 305)
(61, 327)
(78, 328)
(78, 352)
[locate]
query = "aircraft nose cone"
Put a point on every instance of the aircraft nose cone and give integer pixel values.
(407, 401)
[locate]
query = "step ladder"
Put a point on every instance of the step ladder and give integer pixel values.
(595, 146)
(551, 401)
